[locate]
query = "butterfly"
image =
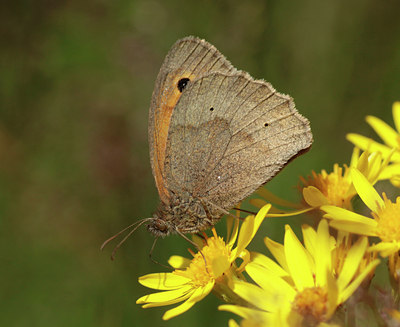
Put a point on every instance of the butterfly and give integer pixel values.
(215, 136)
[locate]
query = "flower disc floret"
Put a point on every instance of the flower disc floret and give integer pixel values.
(312, 303)
(388, 228)
(202, 270)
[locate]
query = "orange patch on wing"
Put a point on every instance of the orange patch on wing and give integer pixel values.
(170, 97)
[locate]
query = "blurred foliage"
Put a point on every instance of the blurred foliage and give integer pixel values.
(75, 86)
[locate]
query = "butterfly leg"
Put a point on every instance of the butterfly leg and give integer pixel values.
(155, 261)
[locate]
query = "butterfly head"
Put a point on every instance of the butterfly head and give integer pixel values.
(159, 227)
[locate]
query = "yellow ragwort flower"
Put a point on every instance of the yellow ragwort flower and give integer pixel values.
(344, 243)
(333, 188)
(385, 223)
(389, 136)
(213, 268)
(302, 289)
(391, 139)
(336, 188)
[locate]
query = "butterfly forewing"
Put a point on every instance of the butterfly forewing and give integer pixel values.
(188, 60)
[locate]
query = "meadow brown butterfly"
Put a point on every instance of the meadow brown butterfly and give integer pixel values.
(215, 136)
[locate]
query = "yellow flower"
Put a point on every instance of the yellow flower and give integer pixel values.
(336, 188)
(389, 136)
(391, 139)
(344, 242)
(303, 288)
(385, 223)
(333, 188)
(213, 268)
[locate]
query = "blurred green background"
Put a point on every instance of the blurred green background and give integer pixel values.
(76, 79)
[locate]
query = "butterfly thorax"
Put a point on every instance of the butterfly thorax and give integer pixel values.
(183, 214)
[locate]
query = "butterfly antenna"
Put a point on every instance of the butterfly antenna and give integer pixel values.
(137, 223)
(127, 236)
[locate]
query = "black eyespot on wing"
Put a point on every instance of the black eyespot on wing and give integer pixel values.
(182, 84)
(212, 109)
(266, 124)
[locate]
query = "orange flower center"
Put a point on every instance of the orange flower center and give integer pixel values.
(335, 186)
(388, 218)
(311, 303)
(209, 266)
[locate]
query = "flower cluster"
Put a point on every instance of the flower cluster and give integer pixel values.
(320, 280)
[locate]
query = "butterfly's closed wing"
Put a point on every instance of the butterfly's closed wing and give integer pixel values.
(229, 134)
(188, 60)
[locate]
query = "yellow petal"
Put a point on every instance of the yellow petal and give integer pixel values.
(347, 215)
(243, 312)
(165, 303)
(366, 191)
(376, 165)
(262, 299)
(314, 197)
(385, 132)
(362, 164)
(353, 227)
(390, 171)
(333, 293)
(229, 225)
(278, 289)
(178, 262)
(277, 251)
(322, 253)
(232, 323)
(165, 296)
(252, 294)
(270, 266)
(395, 181)
(298, 261)
(197, 296)
(260, 218)
(355, 157)
(232, 231)
(252, 317)
(245, 256)
(310, 238)
(348, 291)
(245, 232)
(385, 248)
(163, 281)
(250, 227)
(366, 143)
(396, 114)
(352, 262)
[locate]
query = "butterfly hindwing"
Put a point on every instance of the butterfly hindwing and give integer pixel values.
(228, 135)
